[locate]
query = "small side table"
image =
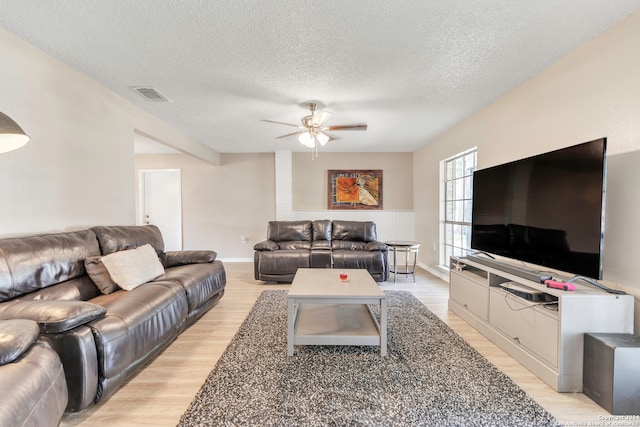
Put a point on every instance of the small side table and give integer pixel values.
(406, 248)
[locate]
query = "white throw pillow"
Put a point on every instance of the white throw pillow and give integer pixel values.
(133, 267)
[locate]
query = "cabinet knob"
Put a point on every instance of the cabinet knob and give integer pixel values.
(516, 339)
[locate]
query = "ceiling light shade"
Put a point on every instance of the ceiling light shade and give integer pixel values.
(322, 138)
(12, 136)
(307, 140)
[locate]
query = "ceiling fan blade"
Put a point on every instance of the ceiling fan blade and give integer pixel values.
(291, 134)
(279, 123)
(360, 126)
(331, 137)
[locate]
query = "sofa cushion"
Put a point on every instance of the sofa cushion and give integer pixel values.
(364, 231)
(31, 263)
(131, 268)
(283, 261)
(201, 282)
(136, 323)
(372, 261)
(78, 289)
(282, 231)
(347, 245)
(100, 275)
(321, 230)
(16, 336)
(117, 238)
(294, 245)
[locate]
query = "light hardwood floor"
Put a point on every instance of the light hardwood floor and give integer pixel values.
(161, 392)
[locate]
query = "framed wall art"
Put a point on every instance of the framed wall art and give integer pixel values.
(354, 189)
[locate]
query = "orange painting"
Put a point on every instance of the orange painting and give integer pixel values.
(347, 190)
(355, 189)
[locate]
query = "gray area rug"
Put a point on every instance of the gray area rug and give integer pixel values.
(431, 377)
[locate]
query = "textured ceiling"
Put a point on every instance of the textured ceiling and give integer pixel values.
(410, 69)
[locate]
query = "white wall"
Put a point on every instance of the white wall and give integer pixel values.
(78, 169)
(593, 92)
(221, 204)
(310, 177)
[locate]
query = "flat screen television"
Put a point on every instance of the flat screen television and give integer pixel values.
(547, 209)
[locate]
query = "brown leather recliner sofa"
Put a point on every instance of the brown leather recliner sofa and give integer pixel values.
(33, 390)
(319, 244)
(103, 335)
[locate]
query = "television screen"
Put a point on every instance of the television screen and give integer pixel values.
(546, 209)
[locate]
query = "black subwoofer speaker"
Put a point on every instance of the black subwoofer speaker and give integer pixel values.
(611, 372)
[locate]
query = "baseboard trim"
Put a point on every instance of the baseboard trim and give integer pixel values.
(436, 271)
(230, 260)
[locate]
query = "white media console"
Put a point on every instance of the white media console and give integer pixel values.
(546, 338)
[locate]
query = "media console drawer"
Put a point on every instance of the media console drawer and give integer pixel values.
(529, 325)
(469, 294)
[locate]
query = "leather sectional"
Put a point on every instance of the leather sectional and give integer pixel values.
(103, 337)
(319, 244)
(33, 389)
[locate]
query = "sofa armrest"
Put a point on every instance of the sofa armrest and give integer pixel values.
(266, 245)
(321, 245)
(53, 316)
(16, 336)
(376, 246)
(176, 258)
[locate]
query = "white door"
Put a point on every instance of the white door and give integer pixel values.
(161, 204)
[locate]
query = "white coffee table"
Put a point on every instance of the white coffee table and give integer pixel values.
(323, 310)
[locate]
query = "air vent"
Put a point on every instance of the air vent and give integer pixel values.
(151, 94)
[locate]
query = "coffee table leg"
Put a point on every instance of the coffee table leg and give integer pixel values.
(291, 321)
(383, 327)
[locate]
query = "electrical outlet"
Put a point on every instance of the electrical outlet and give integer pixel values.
(244, 239)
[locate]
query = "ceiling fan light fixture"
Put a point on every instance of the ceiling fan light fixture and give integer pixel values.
(307, 140)
(322, 138)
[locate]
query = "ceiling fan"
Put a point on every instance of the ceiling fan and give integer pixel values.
(313, 131)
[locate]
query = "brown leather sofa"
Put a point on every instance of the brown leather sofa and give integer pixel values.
(319, 244)
(33, 390)
(103, 336)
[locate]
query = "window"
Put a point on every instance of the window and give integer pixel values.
(455, 216)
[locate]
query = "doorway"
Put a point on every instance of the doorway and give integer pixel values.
(160, 204)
